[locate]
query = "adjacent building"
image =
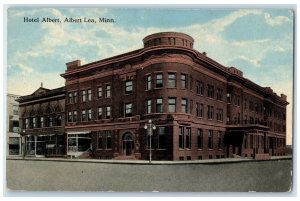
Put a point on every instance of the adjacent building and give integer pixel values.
(42, 119)
(13, 138)
(201, 109)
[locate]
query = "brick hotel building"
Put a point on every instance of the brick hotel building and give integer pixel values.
(201, 109)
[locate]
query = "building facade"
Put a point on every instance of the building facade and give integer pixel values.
(201, 109)
(42, 119)
(13, 138)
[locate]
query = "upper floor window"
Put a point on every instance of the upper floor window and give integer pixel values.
(200, 138)
(99, 112)
(108, 91)
(210, 91)
(184, 105)
(83, 95)
(99, 92)
(70, 97)
(128, 110)
(172, 80)
(26, 123)
(108, 112)
(220, 94)
(74, 116)
(89, 93)
(50, 121)
(34, 122)
(245, 104)
(159, 80)
(237, 100)
(172, 104)
(199, 110)
(149, 106)
(210, 139)
(181, 137)
(42, 122)
(228, 97)
(210, 112)
(75, 97)
(199, 87)
(159, 103)
(128, 87)
(89, 114)
(83, 115)
(58, 120)
(149, 82)
(183, 81)
(188, 137)
(220, 114)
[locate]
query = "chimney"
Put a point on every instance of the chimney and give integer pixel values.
(204, 53)
(283, 97)
(73, 65)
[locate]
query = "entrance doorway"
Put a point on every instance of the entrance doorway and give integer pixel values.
(128, 144)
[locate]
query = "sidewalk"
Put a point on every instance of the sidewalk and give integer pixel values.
(144, 162)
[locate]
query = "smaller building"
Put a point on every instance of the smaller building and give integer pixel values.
(42, 118)
(13, 138)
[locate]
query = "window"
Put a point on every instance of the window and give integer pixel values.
(75, 98)
(200, 138)
(58, 120)
(238, 100)
(245, 104)
(69, 117)
(128, 110)
(228, 97)
(210, 139)
(191, 106)
(83, 115)
(15, 110)
(184, 105)
(220, 140)
(210, 91)
(251, 107)
(159, 80)
(89, 93)
(99, 112)
(161, 138)
(83, 95)
(220, 94)
(74, 116)
(159, 108)
(172, 80)
(108, 91)
(149, 106)
(108, 112)
(188, 138)
(191, 82)
(108, 140)
(34, 125)
(199, 88)
(99, 92)
(42, 122)
(183, 81)
(149, 82)
(172, 104)
(70, 98)
(26, 123)
(100, 140)
(239, 118)
(128, 87)
(89, 114)
(210, 112)
(199, 109)
(181, 134)
(219, 114)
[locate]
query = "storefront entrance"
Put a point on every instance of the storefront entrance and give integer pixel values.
(128, 144)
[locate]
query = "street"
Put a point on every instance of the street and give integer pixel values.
(259, 176)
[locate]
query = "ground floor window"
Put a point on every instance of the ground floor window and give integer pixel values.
(14, 146)
(78, 143)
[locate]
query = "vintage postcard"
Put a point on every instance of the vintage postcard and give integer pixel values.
(149, 99)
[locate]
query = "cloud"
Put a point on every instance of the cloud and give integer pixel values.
(254, 62)
(24, 68)
(276, 21)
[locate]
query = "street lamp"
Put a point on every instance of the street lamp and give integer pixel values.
(150, 127)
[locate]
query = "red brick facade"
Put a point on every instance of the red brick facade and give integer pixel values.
(201, 109)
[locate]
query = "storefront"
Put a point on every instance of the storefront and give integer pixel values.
(79, 143)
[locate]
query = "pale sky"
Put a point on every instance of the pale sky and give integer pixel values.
(257, 41)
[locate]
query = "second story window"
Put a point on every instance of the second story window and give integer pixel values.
(128, 87)
(89, 93)
(184, 106)
(74, 116)
(171, 80)
(220, 94)
(69, 116)
(83, 115)
(70, 98)
(75, 97)
(149, 110)
(89, 115)
(83, 96)
(210, 112)
(99, 92)
(108, 91)
(172, 104)
(42, 122)
(108, 112)
(210, 91)
(159, 104)
(99, 112)
(159, 80)
(149, 82)
(128, 110)
(183, 81)
(210, 139)
(199, 88)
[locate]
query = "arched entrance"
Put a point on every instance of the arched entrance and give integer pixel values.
(127, 144)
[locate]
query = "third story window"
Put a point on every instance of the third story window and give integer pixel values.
(149, 106)
(99, 92)
(184, 105)
(149, 82)
(128, 110)
(159, 104)
(172, 104)
(128, 87)
(159, 80)
(108, 91)
(183, 81)
(172, 80)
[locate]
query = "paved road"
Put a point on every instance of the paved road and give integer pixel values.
(260, 176)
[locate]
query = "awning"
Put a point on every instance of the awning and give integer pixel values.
(78, 132)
